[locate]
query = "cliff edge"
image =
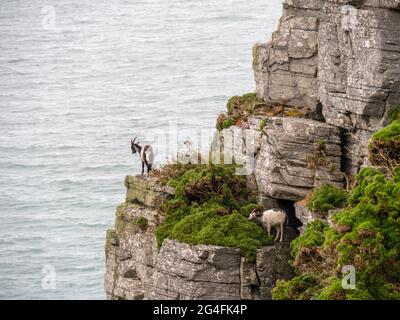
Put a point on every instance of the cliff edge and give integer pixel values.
(137, 269)
(329, 79)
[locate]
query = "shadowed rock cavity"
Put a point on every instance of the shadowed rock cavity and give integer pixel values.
(289, 208)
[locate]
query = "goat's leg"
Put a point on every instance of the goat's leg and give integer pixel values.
(277, 234)
(269, 229)
(148, 167)
(281, 232)
(142, 167)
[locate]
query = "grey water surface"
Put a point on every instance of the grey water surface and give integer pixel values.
(78, 79)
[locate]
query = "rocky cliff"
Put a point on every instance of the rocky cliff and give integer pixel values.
(338, 59)
(138, 269)
(327, 80)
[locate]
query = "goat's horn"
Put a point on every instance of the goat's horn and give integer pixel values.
(134, 140)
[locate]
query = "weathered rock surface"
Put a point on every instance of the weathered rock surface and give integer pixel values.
(339, 56)
(291, 156)
(137, 269)
(286, 68)
(235, 141)
(296, 156)
(306, 215)
(141, 189)
(337, 61)
(355, 154)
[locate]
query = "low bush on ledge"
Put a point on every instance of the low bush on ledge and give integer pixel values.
(384, 148)
(241, 105)
(394, 114)
(327, 197)
(143, 223)
(211, 206)
(240, 108)
(365, 236)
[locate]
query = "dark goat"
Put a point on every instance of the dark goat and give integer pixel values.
(145, 152)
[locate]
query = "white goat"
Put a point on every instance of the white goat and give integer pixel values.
(276, 218)
(146, 154)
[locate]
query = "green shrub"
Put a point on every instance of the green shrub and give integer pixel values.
(394, 114)
(211, 206)
(142, 222)
(227, 123)
(333, 291)
(312, 237)
(318, 157)
(366, 235)
(263, 123)
(240, 106)
(384, 148)
(392, 131)
(220, 120)
(299, 288)
(327, 197)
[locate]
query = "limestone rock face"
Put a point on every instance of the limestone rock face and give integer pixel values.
(141, 189)
(297, 155)
(286, 68)
(196, 272)
(355, 154)
(338, 57)
(137, 269)
(337, 63)
(358, 69)
(306, 215)
(235, 140)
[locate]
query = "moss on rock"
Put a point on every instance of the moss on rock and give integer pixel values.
(390, 132)
(366, 235)
(299, 288)
(244, 103)
(384, 148)
(123, 221)
(327, 197)
(142, 222)
(262, 125)
(394, 114)
(211, 206)
(311, 238)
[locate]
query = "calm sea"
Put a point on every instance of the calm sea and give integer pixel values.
(78, 79)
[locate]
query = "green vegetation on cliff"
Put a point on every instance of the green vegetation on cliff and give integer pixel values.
(394, 114)
(366, 235)
(384, 148)
(238, 109)
(242, 104)
(262, 124)
(392, 131)
(327, 197)
(142, 222)
(211, 206)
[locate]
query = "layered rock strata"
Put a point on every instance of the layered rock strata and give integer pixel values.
(137, 269)
(339, 58)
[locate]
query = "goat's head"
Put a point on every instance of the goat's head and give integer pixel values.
(255, 214)
(135, 145)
